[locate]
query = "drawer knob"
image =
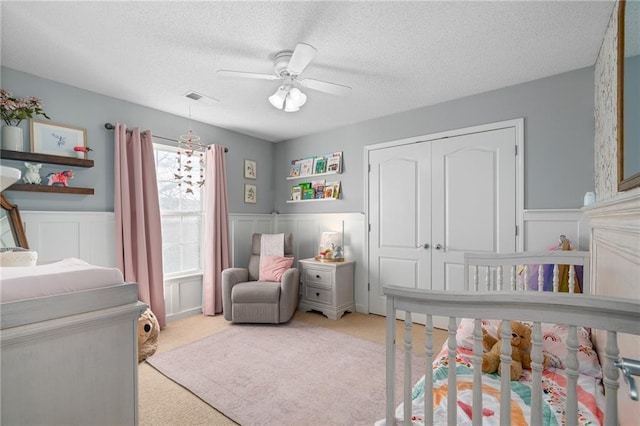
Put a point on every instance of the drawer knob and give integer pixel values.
(318, 294)
(318, 276)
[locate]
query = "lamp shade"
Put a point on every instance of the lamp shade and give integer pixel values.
(297, 97)
(277, 99)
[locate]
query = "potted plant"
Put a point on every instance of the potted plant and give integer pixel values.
(12, 111)
(81, 151)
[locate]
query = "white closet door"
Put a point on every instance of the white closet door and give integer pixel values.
(474, 201)
(399, 211)
(455, 194)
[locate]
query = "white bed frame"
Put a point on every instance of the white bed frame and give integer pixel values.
(71, 358)
(615, 315)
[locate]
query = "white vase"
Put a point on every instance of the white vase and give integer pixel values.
(12, 138)
(80, 155)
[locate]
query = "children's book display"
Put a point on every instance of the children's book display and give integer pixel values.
(316, 189)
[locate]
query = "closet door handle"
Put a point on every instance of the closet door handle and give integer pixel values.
(424, 246)
(439, 247)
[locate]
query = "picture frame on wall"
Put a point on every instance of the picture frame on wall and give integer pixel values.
(250, 195)
(250, 171)
(55, 138)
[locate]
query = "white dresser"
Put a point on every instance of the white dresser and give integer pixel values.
(327, 287)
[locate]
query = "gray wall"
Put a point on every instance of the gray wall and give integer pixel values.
(559, 128)
(70, 105)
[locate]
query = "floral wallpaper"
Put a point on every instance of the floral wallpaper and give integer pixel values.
(606, 124)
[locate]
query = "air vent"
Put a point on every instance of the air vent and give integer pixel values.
(199, 97)
(194, 96)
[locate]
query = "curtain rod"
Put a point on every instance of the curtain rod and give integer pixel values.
(110, 126)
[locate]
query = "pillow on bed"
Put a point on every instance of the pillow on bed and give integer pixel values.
(18, 257)
(554, 337)
(273, 267)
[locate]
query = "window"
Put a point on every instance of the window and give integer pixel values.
(181, 214)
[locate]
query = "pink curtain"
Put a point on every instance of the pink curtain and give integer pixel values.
(216, 229)
(137, 216)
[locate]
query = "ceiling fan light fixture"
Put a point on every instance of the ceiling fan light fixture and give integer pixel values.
(297, 97)
(278, 98)
(290, 106)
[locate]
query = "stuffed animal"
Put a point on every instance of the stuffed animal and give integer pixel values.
(520, 350)
(32, 175)
(148, 331)
(61, 178)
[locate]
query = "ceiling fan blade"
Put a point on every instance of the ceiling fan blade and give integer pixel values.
(242, 74)
(324, 86)
(302, 55)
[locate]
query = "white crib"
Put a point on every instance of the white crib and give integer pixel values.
(516, 301)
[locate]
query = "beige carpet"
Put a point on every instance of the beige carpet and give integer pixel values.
(162, 402)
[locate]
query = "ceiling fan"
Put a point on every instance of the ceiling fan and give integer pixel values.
(288, 65)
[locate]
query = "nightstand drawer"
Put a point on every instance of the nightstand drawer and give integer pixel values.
(318, 276)
(317, 294)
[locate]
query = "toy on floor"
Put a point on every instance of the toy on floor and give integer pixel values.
(148, 332)
(520, 350)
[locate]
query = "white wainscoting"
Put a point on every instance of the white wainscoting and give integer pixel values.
(89, 236)
(306, 230)
(542, 228)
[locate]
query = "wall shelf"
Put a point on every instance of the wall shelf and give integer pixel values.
(45, 158)
(47, 188)
(312, 200)
(312, 176)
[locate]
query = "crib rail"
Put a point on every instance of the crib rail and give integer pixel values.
(511, 271)
(611, 314)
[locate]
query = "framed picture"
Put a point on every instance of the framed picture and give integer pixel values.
(56, 139)
(250, 169)
(249, 193)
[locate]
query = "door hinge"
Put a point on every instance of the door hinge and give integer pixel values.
(516, 149)
(369, 168)
(369, 227)
(516, 230)
(368, 286)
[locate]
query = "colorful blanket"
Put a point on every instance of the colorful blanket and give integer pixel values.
(554, 382)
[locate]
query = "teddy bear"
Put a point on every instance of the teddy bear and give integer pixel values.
(148, 332)
(520, 350)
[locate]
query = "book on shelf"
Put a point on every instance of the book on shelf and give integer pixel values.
(334, 162)
(306, 166)
(308, 194)
(318, 188)
(319, 165)
(294, 171)
(296, 193)
(328, 191)
(335, 189)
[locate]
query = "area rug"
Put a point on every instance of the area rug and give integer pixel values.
(289, 374)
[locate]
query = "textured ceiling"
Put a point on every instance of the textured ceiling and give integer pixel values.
(396, 56)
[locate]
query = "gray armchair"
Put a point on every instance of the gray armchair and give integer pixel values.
(245, 299)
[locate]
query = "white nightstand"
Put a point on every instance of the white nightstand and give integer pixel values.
(327, 287)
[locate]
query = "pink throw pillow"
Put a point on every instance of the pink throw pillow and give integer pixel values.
(272, 267)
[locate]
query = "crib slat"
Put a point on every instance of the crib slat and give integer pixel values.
(505, 379)
(391, 362)
(428, 376)
(513, 277)
(536, 377)
(611, 376)
(499, 272)
(452, 395)
(555, 277)
(408, 347)
(475, 278)
(572, 279)
(525, 274)
(487, 279)
(572, 376)
(477, 373)
(540, 278)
